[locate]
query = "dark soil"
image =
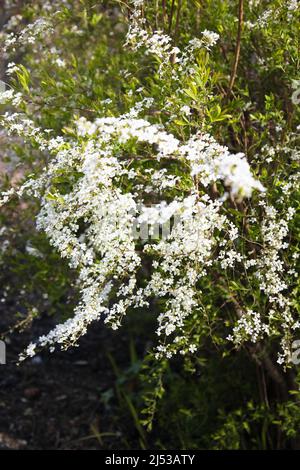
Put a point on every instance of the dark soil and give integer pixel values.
(56, 401)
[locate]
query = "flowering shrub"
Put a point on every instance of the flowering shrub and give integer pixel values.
(165, 166)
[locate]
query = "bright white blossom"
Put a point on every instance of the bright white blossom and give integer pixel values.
(104, 253)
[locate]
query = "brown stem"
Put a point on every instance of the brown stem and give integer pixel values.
(273, 371)
(156, 14)
(238, 46)
(171, 17)
(164, 12)
(177, 20)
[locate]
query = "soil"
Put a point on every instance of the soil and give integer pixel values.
(55, 401)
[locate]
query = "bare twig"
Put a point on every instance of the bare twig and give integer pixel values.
(238, 46)
(171, 16)
(164, 12)
(176, 32)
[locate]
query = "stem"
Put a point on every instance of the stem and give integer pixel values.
(156, 13)
(177, 20)
(164, 12)
(238, 46)
(171, 17)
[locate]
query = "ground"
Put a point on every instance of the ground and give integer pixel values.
(55, 401)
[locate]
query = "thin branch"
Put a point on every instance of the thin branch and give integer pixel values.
(177, 20)
(156, 14)
(171, 17)
(238, 46)
(164, 12)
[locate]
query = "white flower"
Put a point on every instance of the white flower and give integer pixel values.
(185, 110)
(210, 38)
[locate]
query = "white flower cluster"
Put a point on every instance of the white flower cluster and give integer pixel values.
(210, 38)
(90, 216)
(293, 6)
(273, 14)
(211, 162)
(250, 327)
(28, 35)
(272, 272)
(159, 44)
(91, 223)
(184, 258)
(10, 96)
